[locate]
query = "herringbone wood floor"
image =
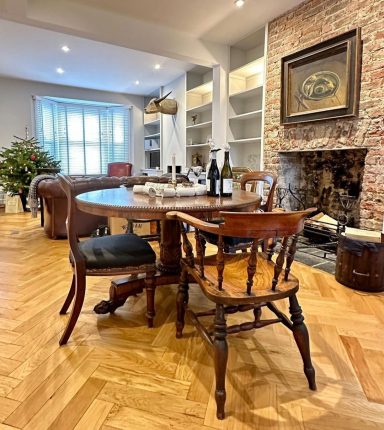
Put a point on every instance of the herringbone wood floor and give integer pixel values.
(117, 374)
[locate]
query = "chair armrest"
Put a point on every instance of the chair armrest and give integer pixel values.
(194, 222)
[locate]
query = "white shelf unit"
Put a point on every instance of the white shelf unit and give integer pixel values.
(152, 118)
(199, 86)
(245, 108)
(200, 125)
(155, 135)
(152, 138)
(200, 108)
(198, 145)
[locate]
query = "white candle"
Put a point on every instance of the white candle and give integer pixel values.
(173, 168)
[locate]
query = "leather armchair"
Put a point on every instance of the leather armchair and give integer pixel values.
(55, 212)
(119, 168)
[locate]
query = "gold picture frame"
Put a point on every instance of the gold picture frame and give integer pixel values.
(322, 81)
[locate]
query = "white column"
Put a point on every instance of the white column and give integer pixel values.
(220, 107)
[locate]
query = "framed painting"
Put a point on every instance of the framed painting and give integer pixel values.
(322, 81)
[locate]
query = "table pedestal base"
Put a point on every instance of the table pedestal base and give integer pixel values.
(121, 289)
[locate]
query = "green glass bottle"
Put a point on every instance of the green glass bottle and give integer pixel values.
(213, 176)
(226, 184)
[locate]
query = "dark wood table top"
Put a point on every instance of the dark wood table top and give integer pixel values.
(122, 202)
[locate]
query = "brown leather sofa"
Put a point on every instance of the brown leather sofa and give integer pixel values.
(55, 202)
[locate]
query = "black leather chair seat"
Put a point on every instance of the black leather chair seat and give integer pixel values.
(229, 242)
(115, 251)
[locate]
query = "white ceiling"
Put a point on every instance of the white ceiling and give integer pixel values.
(33, 53)
(215, 20)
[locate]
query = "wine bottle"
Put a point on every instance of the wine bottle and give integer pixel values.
(213, 177)
(226, 176)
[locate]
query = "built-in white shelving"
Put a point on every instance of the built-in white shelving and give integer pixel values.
(200, 125)
(152, 119)
(245, 101)
(200, 108)
(199, 94)
(152, 138)
(248, 93)
(198, 145)
(247, 140)
(247, 115)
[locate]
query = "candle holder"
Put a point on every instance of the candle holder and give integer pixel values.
(173, 183)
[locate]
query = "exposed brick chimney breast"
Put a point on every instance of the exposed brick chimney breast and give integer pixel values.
(308, 24)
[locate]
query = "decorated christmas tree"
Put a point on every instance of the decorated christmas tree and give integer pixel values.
(20, 163)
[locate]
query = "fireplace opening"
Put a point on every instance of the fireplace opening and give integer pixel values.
(331, 181)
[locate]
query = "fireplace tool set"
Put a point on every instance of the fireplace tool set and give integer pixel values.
(317, 234)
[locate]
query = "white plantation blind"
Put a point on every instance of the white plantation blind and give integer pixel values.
(84, 136)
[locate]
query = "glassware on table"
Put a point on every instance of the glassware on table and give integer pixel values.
(197, 170)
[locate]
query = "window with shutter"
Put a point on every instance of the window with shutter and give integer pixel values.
(84, 136)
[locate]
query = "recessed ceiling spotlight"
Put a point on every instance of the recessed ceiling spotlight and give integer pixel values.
(65, 48)
(157, 66)
(239, 3)
(60, 71)
(137, 82)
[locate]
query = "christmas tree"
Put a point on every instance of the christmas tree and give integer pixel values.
(20, 163)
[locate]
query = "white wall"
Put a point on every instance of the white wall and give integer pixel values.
(16, 109)
(173, 126)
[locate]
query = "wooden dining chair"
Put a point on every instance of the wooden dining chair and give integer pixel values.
(249, 181)
(121, 254)
(242, 282)
(268, 182)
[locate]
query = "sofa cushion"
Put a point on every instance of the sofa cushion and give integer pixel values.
(115, 251)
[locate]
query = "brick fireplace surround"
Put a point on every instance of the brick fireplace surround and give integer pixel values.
(311, 22)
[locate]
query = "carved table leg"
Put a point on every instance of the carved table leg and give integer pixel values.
(170, 247)
(119, 291)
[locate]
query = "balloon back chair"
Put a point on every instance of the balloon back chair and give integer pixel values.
(267, 181)
(121, 254)
(242, 282)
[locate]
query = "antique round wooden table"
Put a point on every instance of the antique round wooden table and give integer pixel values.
(122, 202)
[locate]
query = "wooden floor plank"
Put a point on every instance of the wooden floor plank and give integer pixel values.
(95, 415)
(152, 402)
(50, 411)
(129, 418)
(7, 406)
(61, 359)
(370, 376)
(78, 405)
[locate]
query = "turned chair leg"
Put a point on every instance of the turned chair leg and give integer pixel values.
(150, 288)
(301, 336)
(181, 302)
(70, 296)
(76, 308)
(220, 348)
